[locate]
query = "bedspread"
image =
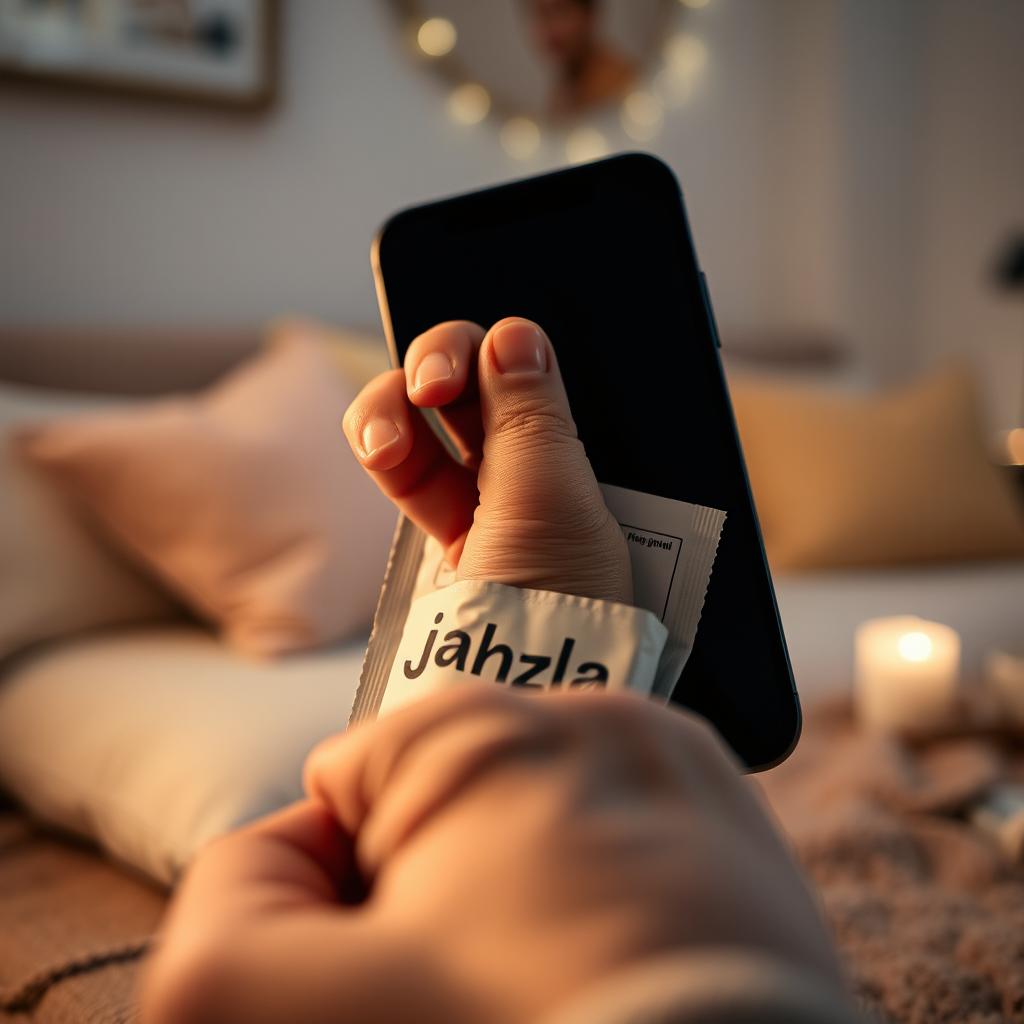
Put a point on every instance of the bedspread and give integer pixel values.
(927, 910)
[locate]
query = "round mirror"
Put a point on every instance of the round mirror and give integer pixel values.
(548, 60)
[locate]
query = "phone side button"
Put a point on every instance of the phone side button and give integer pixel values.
(708, 310)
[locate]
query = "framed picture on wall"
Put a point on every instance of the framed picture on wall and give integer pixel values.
(219, 52)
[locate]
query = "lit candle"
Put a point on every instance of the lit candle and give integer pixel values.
(906, 674)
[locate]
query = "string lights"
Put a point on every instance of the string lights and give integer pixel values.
(436, 37)
(641, 113)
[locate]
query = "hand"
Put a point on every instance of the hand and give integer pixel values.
(515, 851)
(523, 508)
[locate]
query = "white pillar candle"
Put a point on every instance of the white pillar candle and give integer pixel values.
(906, 674)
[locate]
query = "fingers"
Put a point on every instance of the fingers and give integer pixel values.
(255, 933)
(408, 462)
(534, 466)
(440, 373)
(499, 394)
(385, 779)
(519, 379)
(541, 521)
(439, 363)
(295, 857)
(355, 773)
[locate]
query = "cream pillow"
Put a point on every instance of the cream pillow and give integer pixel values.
(56, 577)
(154, 741)
(843, 480)
(245, 500)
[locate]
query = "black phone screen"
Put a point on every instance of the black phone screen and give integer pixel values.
(600, 255)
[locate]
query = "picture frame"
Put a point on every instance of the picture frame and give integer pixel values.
(215, 53)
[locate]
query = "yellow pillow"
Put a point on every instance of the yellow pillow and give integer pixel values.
(897, 478)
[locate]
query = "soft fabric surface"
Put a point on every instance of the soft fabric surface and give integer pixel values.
(847, 480)
(359, 356)
(245, 500)
(154, 741)
(56, 578)
(71, 928)
(927, 909)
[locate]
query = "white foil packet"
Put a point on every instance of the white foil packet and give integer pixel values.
(672, 546)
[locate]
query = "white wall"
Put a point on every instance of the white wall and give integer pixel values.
(847, 164)
(971, 185)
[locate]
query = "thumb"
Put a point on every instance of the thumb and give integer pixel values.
(522, 396)
(541, 520)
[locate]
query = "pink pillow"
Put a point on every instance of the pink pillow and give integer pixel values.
(245, 500)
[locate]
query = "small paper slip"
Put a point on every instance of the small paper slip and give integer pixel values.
(672, 546)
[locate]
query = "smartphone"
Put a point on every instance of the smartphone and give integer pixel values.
(600, 255)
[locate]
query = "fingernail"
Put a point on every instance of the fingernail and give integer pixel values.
(433, 367)
(519, 348)
(377, 434)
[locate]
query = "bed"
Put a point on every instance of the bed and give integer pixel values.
(898, 871)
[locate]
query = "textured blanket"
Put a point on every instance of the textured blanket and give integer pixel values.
(927, 909)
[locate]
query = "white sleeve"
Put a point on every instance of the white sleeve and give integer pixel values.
(471, 631)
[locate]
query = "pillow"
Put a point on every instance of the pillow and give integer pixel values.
(56, 578)
(359, 357)
(153, 741)
(841, 480)
(245, 500)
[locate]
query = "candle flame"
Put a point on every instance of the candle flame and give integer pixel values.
(915, 646)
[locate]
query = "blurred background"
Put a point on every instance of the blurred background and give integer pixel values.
(190, 557)
(176, 174)
(851, 167)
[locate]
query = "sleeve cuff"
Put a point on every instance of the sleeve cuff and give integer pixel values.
(473, 631)
(710, 987)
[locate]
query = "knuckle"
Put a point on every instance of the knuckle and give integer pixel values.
(534, 419)
(635, 717)
(620, 710)
(386, 389)
(488, 700)
(512, 712)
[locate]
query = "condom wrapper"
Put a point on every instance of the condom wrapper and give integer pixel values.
(432, 630)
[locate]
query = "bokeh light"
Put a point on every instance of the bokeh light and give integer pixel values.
(584, 144)
(469, 103)
(642, 115)
(520, 137)
(436, 37)
(685, 55)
